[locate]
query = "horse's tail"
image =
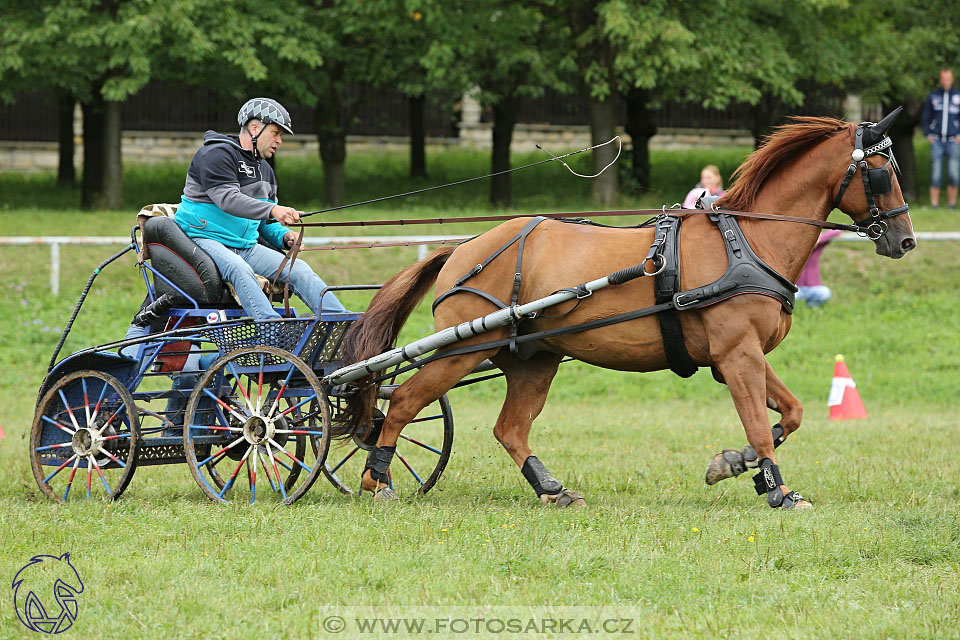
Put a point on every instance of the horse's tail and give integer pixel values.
(377, 332)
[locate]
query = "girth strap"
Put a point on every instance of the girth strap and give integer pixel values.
(666, 247)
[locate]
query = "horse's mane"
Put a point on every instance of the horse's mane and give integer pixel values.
(781, 145)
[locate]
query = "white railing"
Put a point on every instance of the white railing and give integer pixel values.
(55, 241)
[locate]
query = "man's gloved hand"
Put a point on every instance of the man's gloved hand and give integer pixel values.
(285, 215)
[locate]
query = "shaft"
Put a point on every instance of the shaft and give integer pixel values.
(463, 331)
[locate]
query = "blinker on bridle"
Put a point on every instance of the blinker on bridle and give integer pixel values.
(876, 182)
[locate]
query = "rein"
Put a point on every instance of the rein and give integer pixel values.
(857, 228)
(594, 214)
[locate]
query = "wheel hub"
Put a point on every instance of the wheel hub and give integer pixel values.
(86, 442)
(257, 430)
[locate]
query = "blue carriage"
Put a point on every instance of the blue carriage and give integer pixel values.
(195, 381)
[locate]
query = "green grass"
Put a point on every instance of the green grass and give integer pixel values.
(878, 557)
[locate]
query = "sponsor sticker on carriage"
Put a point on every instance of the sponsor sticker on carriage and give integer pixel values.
(212, 317)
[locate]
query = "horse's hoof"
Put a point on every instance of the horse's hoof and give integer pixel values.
(566, 498)
(385, 494)
(720, 467)
(793, 500)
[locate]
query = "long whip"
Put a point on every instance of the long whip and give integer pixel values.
(552, 158)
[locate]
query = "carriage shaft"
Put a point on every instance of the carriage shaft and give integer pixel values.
(463, 331)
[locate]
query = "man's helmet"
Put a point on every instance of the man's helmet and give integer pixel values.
(267, 111)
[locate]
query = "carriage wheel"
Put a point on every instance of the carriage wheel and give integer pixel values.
(87, 423)
(255, 410)
(422, 450)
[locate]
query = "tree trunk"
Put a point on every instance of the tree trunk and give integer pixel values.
(113, 154)
(418, 135)
(604, 188)
(640, 127)
(332, 135)
(902, 134)
(504, 120)
(92, 196)
(66, 171)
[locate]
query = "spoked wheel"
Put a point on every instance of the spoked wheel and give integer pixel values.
(86, 422)
(422, 450)
(256, 409)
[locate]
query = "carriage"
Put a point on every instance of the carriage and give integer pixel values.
(279, 391)
(201, 384)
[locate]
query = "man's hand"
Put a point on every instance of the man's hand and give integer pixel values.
(285, 215)
(289, 238)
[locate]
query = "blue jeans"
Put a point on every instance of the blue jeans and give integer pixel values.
(939, 149)
(240, 267)
(814, 296)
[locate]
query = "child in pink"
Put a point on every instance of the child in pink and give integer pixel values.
(811, 286)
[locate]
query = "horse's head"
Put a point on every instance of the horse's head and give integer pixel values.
(874, 200)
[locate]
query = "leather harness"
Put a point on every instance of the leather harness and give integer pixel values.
(746, 273)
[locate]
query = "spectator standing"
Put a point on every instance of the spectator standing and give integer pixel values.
(710, 184)
(941, 126)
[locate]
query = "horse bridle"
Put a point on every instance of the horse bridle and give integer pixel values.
(876, 182)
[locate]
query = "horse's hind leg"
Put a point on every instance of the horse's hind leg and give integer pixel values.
(425, 386)
(730, 462)
(745, 374)
(528, 382)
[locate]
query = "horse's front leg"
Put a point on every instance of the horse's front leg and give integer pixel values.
(730, 462)
(746, 376)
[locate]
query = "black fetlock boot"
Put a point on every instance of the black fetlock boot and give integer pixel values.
(768, 481)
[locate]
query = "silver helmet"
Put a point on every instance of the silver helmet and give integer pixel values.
(267, 111)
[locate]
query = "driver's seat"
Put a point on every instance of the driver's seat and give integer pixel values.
(172, 253)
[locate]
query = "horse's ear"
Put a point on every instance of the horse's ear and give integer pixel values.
(873, 135)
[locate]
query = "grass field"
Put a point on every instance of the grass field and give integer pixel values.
(878, 557)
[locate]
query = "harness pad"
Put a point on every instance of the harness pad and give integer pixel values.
(666, 283)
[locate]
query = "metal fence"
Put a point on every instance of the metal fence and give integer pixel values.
(421, 242)
(160, 107)
(384, 111)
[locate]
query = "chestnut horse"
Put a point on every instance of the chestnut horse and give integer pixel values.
(799, 171)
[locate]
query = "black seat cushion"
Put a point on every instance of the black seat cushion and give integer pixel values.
(177, 257)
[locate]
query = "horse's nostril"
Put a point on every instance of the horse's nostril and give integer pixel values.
(908, 244)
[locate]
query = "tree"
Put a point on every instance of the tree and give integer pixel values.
(507, 52)
(625, 47)
(655, 51)
(761, 52)
(903, 66)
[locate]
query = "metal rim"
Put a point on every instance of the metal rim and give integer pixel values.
(86, 420)
(420, 458)
(237, 409)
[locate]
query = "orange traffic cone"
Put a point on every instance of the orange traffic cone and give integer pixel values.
(844, 401)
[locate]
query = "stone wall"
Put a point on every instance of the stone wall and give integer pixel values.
(179, 147)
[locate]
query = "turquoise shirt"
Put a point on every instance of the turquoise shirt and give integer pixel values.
(203, 220)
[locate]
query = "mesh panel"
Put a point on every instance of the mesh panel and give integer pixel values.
(283, 335)
(329, 335)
